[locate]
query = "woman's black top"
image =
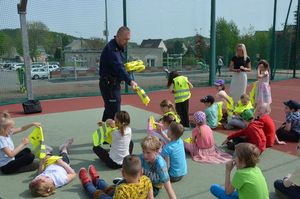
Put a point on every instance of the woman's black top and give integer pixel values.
(239, 61)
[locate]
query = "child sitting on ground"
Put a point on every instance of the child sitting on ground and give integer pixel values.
(202, 148)
(289, 186)
(263, 113)
(121, 143)
(253, 134)
(53, 175)
(211, 111)
(222, 96)
(155, 167)
(167, 108)
(248, 180)
(174, 153)
(242, 112)
(290, 130)
(135, 185)
(19, 159)
(161, 129)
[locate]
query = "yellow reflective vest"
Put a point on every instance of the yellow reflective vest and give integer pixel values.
(103, 134)
(143, 96)
(252, 93)
(241, 108)
(181, 89)
(36, 139)
(175, 115)
(135, 66)
(51, 160)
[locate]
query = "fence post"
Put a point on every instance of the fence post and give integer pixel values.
(273, 63)
(22, 12)
(212, 71)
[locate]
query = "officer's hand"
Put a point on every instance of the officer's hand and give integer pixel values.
(133, 84)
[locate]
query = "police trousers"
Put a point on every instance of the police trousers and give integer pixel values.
(111, 94)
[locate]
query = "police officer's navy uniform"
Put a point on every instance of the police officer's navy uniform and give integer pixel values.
(112, 72)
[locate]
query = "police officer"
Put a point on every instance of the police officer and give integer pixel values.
(112, 72)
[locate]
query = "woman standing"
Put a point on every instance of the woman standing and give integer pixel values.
(239, 65)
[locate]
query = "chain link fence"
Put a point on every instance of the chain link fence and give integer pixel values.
(66, 39)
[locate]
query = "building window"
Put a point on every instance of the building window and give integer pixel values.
(151, 62)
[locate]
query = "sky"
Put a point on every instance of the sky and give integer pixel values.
(147, 19)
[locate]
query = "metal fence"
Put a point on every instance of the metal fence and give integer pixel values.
(66, 38)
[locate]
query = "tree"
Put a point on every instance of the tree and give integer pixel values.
(227, 37)
(37, 33)
(201, 47)
(176, 47)
(6, 45)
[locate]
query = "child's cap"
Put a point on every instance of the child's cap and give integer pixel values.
(247, 115)
(199, 117)
(292, 104)
(208, 98)
(219, 82)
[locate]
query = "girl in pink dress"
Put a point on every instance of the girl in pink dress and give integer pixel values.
(202, 148)
(263, 90)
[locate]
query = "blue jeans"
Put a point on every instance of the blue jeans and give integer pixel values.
(292, 192)
(219, 192)
(100, 184)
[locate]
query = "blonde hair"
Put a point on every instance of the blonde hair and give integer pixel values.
(248, 153)
(244, 50)
(41, 188)
(168, 104)
(151, 142)
(5, 121)
(245, 96)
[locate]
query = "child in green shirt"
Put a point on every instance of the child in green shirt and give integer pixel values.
(248, 181)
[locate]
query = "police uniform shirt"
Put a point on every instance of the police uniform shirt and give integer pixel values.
(111, 63)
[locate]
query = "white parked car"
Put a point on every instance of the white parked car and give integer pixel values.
(33, 66)
(39, 73)
(15, 66)
(52, 67)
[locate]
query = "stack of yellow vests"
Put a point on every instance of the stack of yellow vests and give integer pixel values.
(143, 96)
(36, 139)
(135, 66)
(103, 134)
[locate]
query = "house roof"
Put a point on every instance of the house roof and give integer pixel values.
(151, 43)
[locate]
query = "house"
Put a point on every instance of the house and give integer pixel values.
(173, 45)
(80, 53)
(152, 57)
(154, 43)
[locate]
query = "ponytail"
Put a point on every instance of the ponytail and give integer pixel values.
(124, 119)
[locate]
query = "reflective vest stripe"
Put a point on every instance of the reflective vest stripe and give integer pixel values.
(181, 97)
(182, 90)
(104, 131)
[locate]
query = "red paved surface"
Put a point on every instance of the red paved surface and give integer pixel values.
(281, 91)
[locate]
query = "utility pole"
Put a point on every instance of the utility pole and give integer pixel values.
(125, 24)
(296, 40)
(106, 23)
(212, 71)
(25, 44)
(273, 46)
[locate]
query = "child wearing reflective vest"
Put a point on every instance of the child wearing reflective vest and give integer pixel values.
(182, 94)
(121, 144)
(54, 172)
(19, 159)
(167, 108)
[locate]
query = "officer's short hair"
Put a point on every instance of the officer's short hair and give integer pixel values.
(123, 29)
